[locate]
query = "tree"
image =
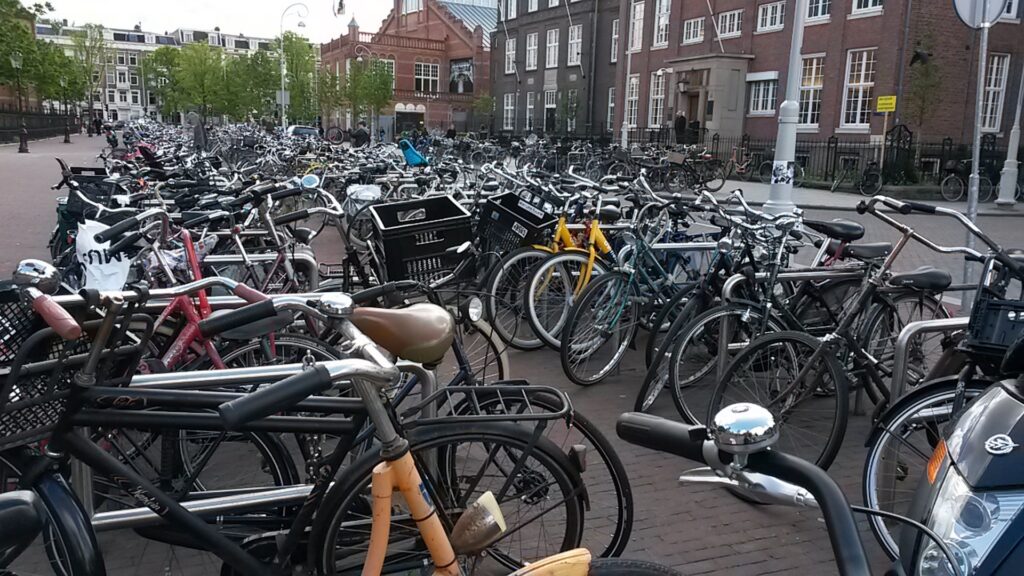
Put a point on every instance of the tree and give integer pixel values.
(161, 78)
(330, 93)
(924, 91)
(483, 110)
(90, 49)
(199, 77)
(300, 69)
(369, 88)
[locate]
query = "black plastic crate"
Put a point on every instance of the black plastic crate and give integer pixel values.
(414, 235)
(511, 220)
(995, 324)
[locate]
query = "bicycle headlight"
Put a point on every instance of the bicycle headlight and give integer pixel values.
(473, 308)
(969, 523)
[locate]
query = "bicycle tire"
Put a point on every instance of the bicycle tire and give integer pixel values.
(986, 191)
(626, 567)
(797, 347)
(870, 183)
(556, 306)
(504, 300)
(346, 499)
(581, 346)
(667, 317)
(764, 172)
(904, 418)
(713, 178)
(952, 188)
(657, 370)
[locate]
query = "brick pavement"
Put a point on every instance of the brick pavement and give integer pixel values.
(696, 529)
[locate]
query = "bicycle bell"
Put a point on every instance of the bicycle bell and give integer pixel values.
(336, 305)
(744, 428)
(38, 274)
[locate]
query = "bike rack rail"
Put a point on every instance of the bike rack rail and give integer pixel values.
(901, 350)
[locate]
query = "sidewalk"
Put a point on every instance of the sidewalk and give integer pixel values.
(808, 198)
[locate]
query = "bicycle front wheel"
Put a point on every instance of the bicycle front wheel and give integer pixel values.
(552, 290)
(505, 290)
(952, 188)
(870, 183)
(600, 327)
(811, 412)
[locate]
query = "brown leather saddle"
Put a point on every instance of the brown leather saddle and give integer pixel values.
(421, 333)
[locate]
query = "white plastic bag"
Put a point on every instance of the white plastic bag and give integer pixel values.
(103, 271)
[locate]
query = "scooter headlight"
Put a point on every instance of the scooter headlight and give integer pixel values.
(970, 523)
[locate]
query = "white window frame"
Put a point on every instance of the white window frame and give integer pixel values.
(531, 6)
(763, 97)
(429, 73)
(511, 9)
(810, 90)
(865, 6)
(136, 97)
(110, 77)
(864, 87)
(111, 95)
(510, 56)
(551, 48)
(615, 41)
(531, 50)
(662, 13)
(411, 6)
(818, 10)
(1010, 12)
(122, 59)
(552, 3)
(575, 45)
(693, 31)
(610, 119)
(133, 59)
(508, 117)
(636, 26)
(771, 17)
(632, 100)
(656, 100)
(550, 99)
(730, 24)
(122, 77)
(994, 93)
(133, 79)
(572, 97)
(531, 98)
(122, 96)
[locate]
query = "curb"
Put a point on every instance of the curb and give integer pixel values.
(1008, 213)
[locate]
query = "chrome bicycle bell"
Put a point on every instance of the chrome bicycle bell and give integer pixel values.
(744, 428)
(336, 305)
(38, 274)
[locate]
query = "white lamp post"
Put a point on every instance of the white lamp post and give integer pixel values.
(303, 11)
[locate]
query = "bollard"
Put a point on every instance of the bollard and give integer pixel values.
(23, 138)
(67, 132)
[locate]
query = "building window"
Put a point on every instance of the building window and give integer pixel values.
(860, 84)
(549, 98)
(113, 115)
(575, 45)
(133, 59)
(1010, 12)
(632, 99)
(552, 3)
(531, 51)
(508, 118)
(111, 96)
(662, 10)
(152, 99)
(531, 6)
(122, 96)
(530, 97)
(426, 77)
(636, 26)
(730, 24)
(134, 78)
(110, 58)
(122, 77)
(110, 77)
(866, 6)
(818, 9)
(121, 59)
(995, 89)
(571, 112)
(693, 31)
(811, 82)
(551, 53)
(615, 40)
(510, 56)
(510, 9)
(656, 107)
(610, 119)
(95, 77)
(410, 6)
(762, 97)
(135, 97)
(771, 16)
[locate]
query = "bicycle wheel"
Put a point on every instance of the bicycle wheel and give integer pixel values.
(952, 188)
(600, 327)
(482, 349)
(885, 322)
(535, 484)
(504, 301)
(799, 176)
(986, 191)
(764, 171)
(693, 366)
(657, 368)
(552, 289)
(870, 183)
(714, 178)
(665, 319)
(812, 415)
(899, 448)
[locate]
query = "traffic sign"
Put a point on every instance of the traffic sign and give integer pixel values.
(979, 13)
(885, 104)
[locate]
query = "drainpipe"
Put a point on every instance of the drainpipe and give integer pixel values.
(593, 61)
(900, 58)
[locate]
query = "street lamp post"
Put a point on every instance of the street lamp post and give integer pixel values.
(780, 196)
(1008, 178)
(303, 12)
(362, 51)
(625, 99)
(23, 131)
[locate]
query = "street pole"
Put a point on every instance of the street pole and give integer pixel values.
(972, 193)
(780, 196)
(303, 12)
(1008, 178)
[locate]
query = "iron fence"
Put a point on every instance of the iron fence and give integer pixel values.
(38, 124)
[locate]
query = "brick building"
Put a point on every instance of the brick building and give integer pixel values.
(439, 52)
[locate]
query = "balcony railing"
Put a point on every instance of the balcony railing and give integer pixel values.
(378, 42)
(401, 95)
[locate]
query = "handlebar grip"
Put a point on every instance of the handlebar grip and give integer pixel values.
(125, 241)
(796, 235)
(919, 207)
(292, 217)
(117, 229)
(261, 189)
(371, 294)
(249, 294)
(238, 317)
(288, 193)
(277, 397)
(663, 435)
(862, 207)
(196, 221)
(1015, 266)
(56, 317)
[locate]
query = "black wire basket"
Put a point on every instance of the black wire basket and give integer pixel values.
(997, 315)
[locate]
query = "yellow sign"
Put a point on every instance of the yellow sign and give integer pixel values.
(885, 104)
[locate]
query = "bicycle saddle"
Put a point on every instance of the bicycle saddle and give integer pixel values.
(867, 251)
(22, 517)
(420, 333)
(924, 278)
(303, 235)
(844, 230)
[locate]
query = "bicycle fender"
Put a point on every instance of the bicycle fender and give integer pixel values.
(914, 396)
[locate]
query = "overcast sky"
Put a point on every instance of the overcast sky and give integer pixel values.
(260, 18)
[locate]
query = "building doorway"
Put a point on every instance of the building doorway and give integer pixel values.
(407, 121)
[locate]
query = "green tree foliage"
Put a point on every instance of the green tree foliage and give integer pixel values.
(330, 93)
(300, 75)
(43, 65)
(161, 78)
(90, 50)
(483, 110)
(925, 89)
(368, 87)
(200, 77)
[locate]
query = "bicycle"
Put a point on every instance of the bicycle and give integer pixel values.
(954, 186)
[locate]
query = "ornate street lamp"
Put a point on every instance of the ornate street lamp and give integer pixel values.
(23, 134)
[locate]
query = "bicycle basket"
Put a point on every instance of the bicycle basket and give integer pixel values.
(997, 317)
(676, 158)
(17, 322)
(414, 236)
(509, 221)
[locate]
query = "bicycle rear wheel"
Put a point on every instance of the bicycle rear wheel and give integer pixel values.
(599, 329)
(551, 291)
(952, 188)
(812, 416)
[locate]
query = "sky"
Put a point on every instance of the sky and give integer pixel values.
(258, 18)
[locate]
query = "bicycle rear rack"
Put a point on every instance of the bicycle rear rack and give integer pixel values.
(512, 400)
